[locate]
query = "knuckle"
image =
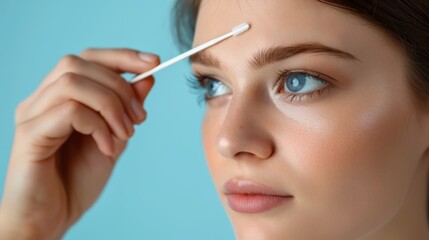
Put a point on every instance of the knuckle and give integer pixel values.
(19, 111)
(70, 62)
(72, 108)
(68, 79)
(129, 53)
(23, 129)
(22, 110)
(109, 103)
(86, 52)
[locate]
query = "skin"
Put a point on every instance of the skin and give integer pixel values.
(69, 135)
(353, 157)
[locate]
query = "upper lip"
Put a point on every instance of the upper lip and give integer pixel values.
(244, 186)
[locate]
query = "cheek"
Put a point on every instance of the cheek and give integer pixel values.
(210, 129)
(356, 159)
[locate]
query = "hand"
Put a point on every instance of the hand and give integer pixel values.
(69, 135)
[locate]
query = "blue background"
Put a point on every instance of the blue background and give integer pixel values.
(161, 188)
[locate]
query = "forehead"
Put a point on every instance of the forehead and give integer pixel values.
(282, 23)
(270, 18)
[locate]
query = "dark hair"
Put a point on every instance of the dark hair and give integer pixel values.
(407, 21)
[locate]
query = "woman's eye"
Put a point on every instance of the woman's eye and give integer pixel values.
(214, 87)
(300, 82)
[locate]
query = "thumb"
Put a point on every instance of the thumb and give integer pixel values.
(143, 87)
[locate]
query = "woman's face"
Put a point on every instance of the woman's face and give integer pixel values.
(314, 103)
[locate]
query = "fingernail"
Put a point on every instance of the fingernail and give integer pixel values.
(147, 57)
(138, 110)
(128, 125)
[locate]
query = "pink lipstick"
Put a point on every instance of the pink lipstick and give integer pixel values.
(246, 196)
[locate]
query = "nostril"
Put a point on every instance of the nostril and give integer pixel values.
(241, 155)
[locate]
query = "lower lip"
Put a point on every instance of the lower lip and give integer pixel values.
(254, 203)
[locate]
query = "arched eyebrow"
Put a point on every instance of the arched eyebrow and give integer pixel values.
(271, 55)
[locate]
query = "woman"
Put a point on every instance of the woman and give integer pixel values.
(316, 124)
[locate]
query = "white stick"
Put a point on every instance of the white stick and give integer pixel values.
(235, 31)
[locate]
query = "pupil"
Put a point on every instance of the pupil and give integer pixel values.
(296, 82)
(212, 87)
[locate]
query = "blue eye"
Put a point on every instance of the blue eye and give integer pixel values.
(301, 82)
(214, 87)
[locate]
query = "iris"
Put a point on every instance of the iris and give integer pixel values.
(302, 83)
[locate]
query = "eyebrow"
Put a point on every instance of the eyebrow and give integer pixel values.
(271, 55)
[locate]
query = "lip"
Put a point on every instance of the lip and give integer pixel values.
(246, 196)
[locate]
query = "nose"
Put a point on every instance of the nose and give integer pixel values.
(244, 132)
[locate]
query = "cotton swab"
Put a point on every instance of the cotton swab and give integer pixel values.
(234, 32)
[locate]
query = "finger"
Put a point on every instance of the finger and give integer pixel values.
(44, 135)
(121, 60)
(87, 92)
(102, 75)
(142, 88)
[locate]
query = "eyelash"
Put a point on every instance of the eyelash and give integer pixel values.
(300, 97)
(196, 82)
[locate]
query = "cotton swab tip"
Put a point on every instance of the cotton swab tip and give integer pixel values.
(240, 28)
